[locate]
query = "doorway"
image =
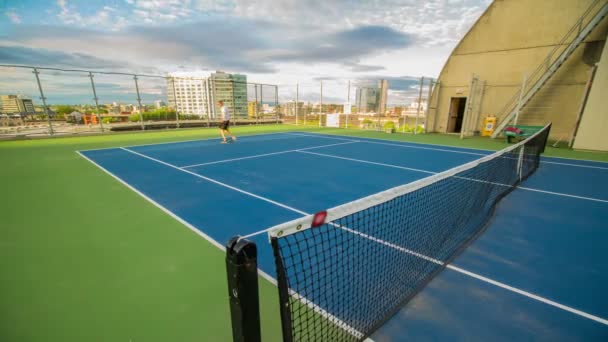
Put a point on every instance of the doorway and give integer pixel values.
(457, 107)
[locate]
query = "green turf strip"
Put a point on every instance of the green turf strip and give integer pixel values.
(83, 258)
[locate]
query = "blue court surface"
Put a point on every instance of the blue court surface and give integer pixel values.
(539, 272)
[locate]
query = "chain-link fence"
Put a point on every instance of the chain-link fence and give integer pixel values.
(40, 101)
(392, 105)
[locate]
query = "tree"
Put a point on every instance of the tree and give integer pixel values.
(63, 109)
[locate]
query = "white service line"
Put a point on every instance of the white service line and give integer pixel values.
(368, 162)
(374, 141)
(267, 154)
(424, 148)
(576, 165)
(317, 136)
(454, 268)
(475, 275)
(528, 294)
(431, 172)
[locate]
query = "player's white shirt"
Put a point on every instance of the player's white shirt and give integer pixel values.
(225, 113)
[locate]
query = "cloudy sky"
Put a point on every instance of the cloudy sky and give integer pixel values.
(271, 41)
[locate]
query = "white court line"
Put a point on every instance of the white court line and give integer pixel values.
(188, 225)
(374, 141)
(181, 141)
(576, 165)
(315, 307)
(368, 162)
(476, 276)
(431, 172)
(215, 181)
(454, 268)
(268, 154)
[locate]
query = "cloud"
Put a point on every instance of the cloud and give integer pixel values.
(153, 11)
(13, 16)
(218, 43)
(51, 58)
(106, 18)
(435, 21)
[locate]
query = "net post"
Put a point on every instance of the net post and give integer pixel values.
(242, 272)
(284, 304)
(520, 161)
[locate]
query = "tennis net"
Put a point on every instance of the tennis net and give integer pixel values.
(344, 272)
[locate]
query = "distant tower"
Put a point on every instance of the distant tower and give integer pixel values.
(383, 96)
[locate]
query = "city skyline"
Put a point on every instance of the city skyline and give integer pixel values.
(400, 39)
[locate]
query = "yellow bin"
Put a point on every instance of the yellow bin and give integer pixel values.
(489, 124)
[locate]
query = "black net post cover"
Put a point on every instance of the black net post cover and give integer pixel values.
(242, 272)
(342, 279)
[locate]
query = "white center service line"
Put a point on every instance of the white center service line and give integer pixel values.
(450, 267)
(215, 181)
(268, 154)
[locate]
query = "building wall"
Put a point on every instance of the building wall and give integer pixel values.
(508, 41)
(9, 104)
(591, 134)
(191, 96)
(17, 104)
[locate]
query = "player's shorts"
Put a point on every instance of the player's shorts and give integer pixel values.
(225, 124)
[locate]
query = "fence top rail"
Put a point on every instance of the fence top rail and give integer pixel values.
(126, 74)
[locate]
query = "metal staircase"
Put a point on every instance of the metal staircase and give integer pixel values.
(550, 64)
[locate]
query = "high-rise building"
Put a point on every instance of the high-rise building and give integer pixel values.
(367, 99)
(200, 95)
(383, 97)
(188, 95)
(17, 104)
(230, 88)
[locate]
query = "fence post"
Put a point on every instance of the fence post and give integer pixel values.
(242, 272)
(297, 100)
(419, 104)
(175, 97)
(96, 101)
(321, 106)
(276, 101)
(210, 103)
(348, 104)
(428, 105)
(46, 110)
(141, 114)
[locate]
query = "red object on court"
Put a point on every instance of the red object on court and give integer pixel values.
(514, 130)
(319, 219)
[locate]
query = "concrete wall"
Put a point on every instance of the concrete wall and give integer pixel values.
(509, 40)
(593, 130)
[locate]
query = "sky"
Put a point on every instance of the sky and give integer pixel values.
(281, 42)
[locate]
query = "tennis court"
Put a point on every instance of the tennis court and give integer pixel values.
(537, 271)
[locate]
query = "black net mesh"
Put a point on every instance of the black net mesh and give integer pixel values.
(342, 280)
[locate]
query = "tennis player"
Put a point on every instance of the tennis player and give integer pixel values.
(225, 124)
